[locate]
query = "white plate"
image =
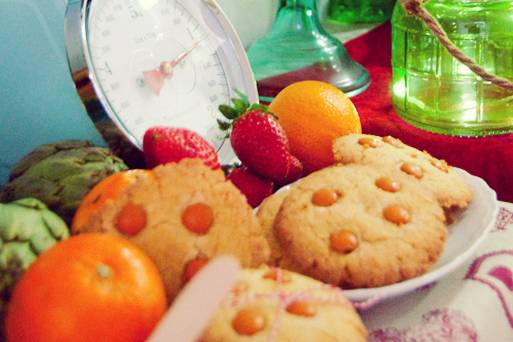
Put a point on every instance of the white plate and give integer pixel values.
(464, 238)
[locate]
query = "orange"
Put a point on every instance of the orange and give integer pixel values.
(313, 114)
(92, 287)
(108, 189)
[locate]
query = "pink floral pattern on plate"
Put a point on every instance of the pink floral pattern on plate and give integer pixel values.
(495, 270)
(504, 219)
(440, 325)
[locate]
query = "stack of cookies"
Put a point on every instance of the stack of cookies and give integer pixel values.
(183, 215)
(378, 217)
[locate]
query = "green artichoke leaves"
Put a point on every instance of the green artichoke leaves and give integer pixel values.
(60, 175)
(27, 229)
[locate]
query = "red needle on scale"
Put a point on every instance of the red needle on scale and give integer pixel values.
(155, 78)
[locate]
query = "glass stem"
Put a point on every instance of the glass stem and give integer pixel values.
(301, 15)
(302, 3)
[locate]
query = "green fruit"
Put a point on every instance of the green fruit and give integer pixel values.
(27, 229)
(60, 175)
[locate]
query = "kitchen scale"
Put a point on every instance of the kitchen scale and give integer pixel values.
(143, 63)
(38, 97)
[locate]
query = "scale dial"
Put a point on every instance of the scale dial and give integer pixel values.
(144, 63)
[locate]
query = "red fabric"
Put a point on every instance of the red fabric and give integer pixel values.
(490, 158)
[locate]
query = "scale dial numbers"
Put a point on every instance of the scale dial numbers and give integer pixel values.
(126, 40)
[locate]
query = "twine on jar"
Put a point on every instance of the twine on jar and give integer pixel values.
(416, 8)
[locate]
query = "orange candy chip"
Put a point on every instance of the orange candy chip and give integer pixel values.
(441, 165)
(393, 141)
(300, 308)
(387, 184)
(324, 198)
(344, 242)
(131, 219)
(198, 218)
(193, 267)
(397, 214)
(248, 322)
(240, 288)
(413, 170)
(276, 274)
(369, 142)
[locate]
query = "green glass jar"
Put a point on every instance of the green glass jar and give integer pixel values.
(433, 90)
(360, 11)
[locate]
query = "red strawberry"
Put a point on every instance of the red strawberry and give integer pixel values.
(254, 187)
(296, 172)
(164, 145)
(260, 142)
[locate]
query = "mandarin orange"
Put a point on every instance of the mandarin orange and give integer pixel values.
(92, 287)
(107, 190)
(313, 114)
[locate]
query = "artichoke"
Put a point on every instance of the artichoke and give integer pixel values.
(60, 175)
(27, 228)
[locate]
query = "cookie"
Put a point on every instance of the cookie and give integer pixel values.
(411, 164)
(266, 214)
(358, 226)
(187, 214)
(275, 305)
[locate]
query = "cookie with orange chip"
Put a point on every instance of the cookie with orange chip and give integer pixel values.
(359, 226)
(411, 164)
(275, 305)
(181, 215)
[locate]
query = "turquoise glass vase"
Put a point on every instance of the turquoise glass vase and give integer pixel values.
(298, 48)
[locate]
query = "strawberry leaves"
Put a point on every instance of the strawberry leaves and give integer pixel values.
(240, 106)
(229, 112)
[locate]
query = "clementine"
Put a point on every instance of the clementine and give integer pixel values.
(313, 114)
(108, 189)
(92, 287)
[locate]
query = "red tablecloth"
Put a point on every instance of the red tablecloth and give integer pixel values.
(490, 158)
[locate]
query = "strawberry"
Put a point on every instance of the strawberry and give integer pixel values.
(254, 187)
(162, 145)
(296, 172)
(259, 141)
